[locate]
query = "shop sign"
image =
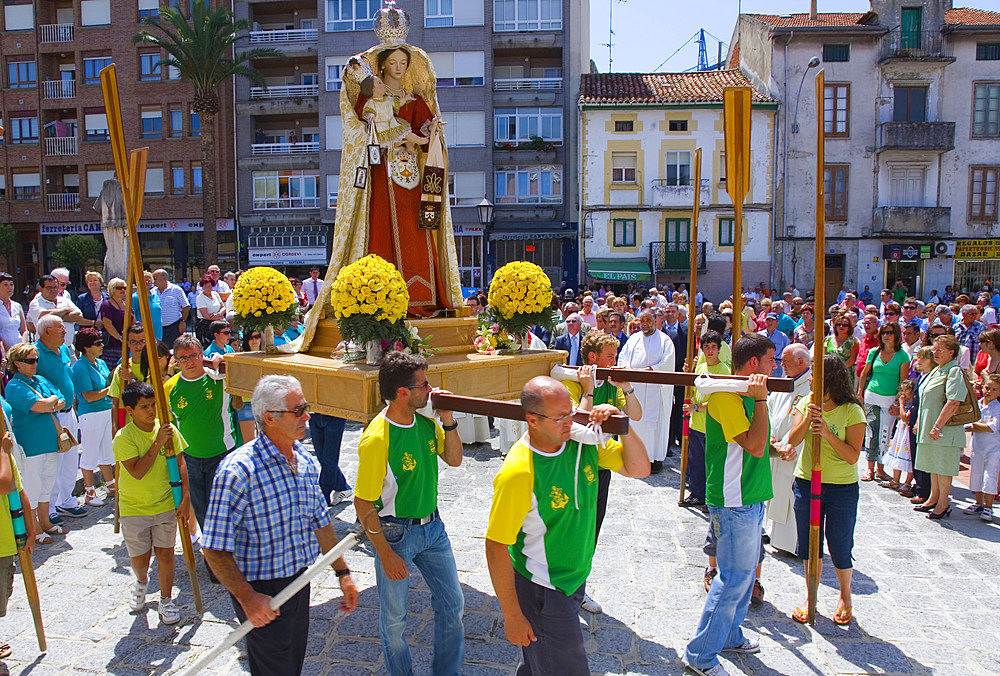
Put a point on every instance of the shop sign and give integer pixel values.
(468, 229)
(977, 248)
(906, 252)
(280, 256)
(150, 225)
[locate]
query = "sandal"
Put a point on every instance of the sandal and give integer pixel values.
(801, 616)
(890, 484)
(4, 650)
(867, 476)
(843, 616)
(57, 530)
(43, 539)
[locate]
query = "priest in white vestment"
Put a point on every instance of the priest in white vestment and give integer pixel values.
(652, 349)
(795, 360)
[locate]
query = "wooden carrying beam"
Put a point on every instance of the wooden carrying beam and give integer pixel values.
(681, 379)
(511, 410)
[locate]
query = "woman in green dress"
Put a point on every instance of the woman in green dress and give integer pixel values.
(939, 445)
(842, 342)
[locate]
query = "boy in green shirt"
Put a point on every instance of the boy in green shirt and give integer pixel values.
(145, 496)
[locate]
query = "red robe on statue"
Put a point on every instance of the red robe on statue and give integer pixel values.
(410, 248)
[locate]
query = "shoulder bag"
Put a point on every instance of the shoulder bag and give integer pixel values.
(66, 440)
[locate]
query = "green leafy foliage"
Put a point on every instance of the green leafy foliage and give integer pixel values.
(75, 252)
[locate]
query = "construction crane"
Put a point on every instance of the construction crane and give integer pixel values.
(703, 63)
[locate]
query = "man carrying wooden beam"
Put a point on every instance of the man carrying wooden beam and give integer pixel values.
(540, 539)
(738, 484)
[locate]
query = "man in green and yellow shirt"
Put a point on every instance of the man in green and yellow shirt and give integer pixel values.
(540, 538)
(395, 497)
(738, 482)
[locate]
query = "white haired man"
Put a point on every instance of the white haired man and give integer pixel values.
(268, 520)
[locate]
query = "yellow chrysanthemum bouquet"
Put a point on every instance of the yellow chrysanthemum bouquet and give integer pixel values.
(263, 297)
(520, 298)
(369, 300)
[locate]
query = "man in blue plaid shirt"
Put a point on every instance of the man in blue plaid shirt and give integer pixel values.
(267, 521)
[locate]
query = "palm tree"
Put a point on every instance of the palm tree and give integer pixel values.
(199, 46)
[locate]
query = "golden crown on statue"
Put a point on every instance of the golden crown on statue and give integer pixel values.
(391, 25)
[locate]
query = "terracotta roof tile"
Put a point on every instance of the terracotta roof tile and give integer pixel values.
(803, 20)
(969, 16)
(627, 88)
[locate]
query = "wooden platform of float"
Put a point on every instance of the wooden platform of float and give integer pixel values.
(351, 390)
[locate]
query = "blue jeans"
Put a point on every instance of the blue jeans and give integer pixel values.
(201, 472)
(696, 464)
(737, 532)
(327, 432)
(428, 547)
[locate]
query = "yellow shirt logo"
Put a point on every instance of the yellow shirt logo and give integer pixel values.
(559, 498)
(209, 394)
(589, 473)
(409, 464)
(182, 402)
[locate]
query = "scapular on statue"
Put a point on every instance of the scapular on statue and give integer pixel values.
(432, 185)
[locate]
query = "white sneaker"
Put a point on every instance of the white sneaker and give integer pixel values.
(590, 605)
(169, 614)
(337, 497)
(138, 600)
(747, 646)
(986, 514)
(717, 670)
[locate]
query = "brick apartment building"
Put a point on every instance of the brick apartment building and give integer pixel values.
(56, 155)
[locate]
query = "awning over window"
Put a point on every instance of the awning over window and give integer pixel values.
(618, 270)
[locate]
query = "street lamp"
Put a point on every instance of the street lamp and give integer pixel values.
(485, 209)
(813, 62)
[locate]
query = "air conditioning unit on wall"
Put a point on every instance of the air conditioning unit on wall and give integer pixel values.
(944, 248)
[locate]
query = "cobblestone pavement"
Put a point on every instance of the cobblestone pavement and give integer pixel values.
(925, 595)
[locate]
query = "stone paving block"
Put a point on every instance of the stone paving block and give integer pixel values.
(603, 663)
(491, 653)
(368, 652)
(157, 655)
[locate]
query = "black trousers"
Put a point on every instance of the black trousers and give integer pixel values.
(555, 619)
(921, 480)
(278, 647)
(603, 486)
(171, 332)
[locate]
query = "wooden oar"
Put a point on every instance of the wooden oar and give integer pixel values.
(512, 410)
(736, 122)
(126, 324)
(691, 356)
(131, 173)
(682, 379)
(17, 517)
(819, 296)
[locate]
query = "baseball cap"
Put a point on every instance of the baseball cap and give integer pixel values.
(771, 315)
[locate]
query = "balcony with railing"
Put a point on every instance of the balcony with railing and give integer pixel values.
(55, 32)
(269, 37)
(925, 221)
(62, 201)
(284, 148)
(61, 145)
(283, 92)
(59, 89)
(674, 257)
(523, 83)
(909, 44)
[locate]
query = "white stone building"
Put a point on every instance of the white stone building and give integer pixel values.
(912, 117)
(638, 137)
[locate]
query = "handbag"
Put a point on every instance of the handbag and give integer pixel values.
(65, 438)
(968, 411)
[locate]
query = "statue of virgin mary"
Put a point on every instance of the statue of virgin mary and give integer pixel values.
(393, 196)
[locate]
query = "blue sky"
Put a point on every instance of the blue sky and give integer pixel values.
(647, 32)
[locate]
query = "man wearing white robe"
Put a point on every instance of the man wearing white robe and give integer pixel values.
(652, 349)
(795, 360)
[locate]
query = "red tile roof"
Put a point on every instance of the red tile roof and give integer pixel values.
(803, 20)
(969, 16)
(630, 88)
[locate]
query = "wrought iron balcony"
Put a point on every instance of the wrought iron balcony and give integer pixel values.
(59, 89)
(284, 92)
(62, 201)
(280, 36)
(521, 83)
(674, 256)
(900, 44)
(61, 145)
(284, 148)
(55, 32)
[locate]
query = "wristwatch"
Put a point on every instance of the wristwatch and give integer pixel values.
(449, 428)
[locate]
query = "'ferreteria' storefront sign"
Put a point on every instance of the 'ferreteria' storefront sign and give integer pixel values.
(977, 248)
